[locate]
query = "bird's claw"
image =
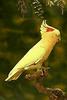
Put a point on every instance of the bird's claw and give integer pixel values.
(39, 73)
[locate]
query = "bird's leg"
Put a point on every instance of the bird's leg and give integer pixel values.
(44, 71)
(33, 75)
(37, 73)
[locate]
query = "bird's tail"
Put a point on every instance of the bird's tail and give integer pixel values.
(14, 74)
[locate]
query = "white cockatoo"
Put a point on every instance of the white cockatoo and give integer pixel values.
(39, 53)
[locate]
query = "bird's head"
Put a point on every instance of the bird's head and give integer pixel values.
(46, 29)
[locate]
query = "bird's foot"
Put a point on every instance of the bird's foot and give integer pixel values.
(37, 74)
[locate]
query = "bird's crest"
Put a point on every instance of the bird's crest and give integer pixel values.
(45, 29)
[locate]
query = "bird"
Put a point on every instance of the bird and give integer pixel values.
(38, 54)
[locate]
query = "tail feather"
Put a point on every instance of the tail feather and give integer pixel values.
(13, 75)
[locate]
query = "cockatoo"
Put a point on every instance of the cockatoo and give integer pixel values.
(39, 53)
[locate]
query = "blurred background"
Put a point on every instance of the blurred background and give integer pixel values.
(17, 36)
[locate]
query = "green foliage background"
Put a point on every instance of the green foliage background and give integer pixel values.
(17, 36)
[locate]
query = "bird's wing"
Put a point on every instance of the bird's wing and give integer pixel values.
(34, 55)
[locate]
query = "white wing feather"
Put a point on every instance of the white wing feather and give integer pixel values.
(32, 56)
